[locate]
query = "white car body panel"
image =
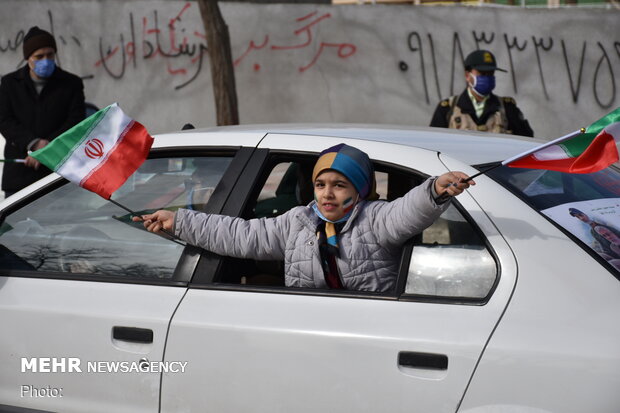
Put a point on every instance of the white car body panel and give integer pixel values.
(306, 354)
(76, 318)
(469, 147)
(194, 138)
(550, 360)
(520, 370)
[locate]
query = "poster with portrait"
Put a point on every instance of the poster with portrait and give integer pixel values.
(595, 222)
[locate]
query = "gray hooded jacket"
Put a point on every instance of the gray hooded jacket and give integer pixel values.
(370, 243)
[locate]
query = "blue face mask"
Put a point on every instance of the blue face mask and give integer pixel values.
(484, 84)
(44, 68)
(315, 208)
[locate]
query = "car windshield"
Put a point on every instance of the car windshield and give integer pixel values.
(586, 206)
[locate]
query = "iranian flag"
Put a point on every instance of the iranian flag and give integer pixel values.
(99, 153)
(582, 153)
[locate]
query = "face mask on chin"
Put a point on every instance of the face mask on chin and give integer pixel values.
(44, 68)
(483, 85)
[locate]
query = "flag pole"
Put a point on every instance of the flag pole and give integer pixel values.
(118, 204)
(123, 207)
(484, 171)
(529, 152)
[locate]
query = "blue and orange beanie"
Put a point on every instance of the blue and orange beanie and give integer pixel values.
(354, 164)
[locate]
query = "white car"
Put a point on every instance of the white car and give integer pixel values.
(510, 302)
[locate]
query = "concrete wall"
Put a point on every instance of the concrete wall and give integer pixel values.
(310, 63)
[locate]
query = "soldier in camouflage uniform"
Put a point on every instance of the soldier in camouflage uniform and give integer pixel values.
(477, 108)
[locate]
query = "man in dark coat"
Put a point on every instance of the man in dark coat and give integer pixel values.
(38, 102)
(477, 108)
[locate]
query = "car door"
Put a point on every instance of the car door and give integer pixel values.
(278, 349)
(86, 295)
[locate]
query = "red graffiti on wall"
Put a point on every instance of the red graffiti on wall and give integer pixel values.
(344, 50)
(183, 50)
(180, 52)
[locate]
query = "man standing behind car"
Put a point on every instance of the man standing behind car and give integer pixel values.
(37, 103)
(477, 108)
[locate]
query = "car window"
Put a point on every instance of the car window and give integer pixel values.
(381, 180)
(288, 185)
(72, 230)
(450, 259)
(585, 206)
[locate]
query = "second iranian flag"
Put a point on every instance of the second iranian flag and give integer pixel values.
(99, 153)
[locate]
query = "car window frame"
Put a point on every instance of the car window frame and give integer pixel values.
(476, 301)
(258, 170)
(187, 261)
(246, 160)
(409, 245)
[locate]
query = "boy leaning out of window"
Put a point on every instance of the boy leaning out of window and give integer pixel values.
(342, 240)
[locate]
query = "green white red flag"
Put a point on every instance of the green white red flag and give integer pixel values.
(587, 152)
(99, 153)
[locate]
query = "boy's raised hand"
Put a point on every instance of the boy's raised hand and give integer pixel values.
(452, 183)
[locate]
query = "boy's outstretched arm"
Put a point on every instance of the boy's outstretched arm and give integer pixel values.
(399, 220)
(259, 238)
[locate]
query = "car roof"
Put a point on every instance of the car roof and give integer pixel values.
(469, 147)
